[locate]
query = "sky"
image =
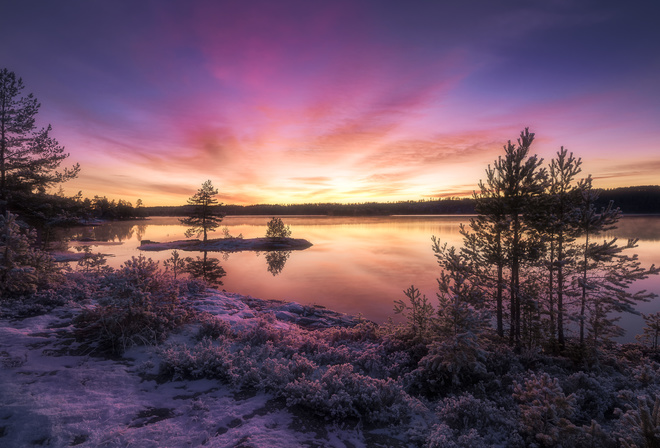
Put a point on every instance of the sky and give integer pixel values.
(335, 101)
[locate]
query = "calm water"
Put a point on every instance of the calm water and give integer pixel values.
(356, 265)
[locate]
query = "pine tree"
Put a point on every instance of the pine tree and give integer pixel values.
(555, 217)
(29, 157)
(277, 229)
(485, 240)
(604, 273)
(651, 333)
(203, 218)
(503, 234)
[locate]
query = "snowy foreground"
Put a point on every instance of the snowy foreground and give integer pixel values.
(54, 394)
(250, 373)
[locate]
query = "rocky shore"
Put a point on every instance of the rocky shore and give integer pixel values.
(229, 244)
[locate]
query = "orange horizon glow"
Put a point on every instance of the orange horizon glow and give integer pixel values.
(293, 102)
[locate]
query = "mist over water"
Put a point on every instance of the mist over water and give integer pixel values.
(356, 265)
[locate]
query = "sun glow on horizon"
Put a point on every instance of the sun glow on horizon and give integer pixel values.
(288, 102)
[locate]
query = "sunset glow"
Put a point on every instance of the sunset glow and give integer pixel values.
(337, 101)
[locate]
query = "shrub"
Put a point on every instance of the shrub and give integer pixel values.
(23, 268)
(476, 419)
(449, 363)
(139, 305)
(639, 426)
(419, 314)
(593, 396)
(544, 410)
(341, 393)
(207, 359)
(212, 327)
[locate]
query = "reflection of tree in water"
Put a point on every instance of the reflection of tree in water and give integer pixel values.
(112, 231)
(207, 269)
(276, 260)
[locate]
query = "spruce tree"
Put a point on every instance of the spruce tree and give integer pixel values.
(29, 157)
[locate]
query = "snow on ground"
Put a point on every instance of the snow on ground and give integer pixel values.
(53, 393)
(229, 244)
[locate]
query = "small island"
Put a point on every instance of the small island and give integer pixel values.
(230, 244)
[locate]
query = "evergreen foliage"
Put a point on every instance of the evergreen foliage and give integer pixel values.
(651, 334)
(176, 264)
(204, 218)
(534, 240)
(29, 157)
(205, 268)
(23, 267)
(277, 229)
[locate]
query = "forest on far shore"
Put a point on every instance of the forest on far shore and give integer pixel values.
(631, 200)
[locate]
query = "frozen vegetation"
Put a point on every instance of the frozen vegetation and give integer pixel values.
(132, 357)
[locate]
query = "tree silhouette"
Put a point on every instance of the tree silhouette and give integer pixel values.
(29, 156)
(276, 261)
(277, 229)
(203, 218)
(206, 268)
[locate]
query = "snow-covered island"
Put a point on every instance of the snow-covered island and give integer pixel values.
(229, 244)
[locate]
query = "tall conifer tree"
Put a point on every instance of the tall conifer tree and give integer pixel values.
(29, 157)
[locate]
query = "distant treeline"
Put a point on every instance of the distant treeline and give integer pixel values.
(631, 200)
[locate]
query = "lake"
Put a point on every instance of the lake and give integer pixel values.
(355, 266)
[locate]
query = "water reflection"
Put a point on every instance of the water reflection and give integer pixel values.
(206, 268)
(356, 265)
(276, 260)
(112, 231)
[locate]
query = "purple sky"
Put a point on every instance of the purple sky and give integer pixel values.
(349, 101)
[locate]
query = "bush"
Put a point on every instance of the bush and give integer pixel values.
(341, 393)
(450, 363)
(138, 305)
(544, 410)
(481, 421)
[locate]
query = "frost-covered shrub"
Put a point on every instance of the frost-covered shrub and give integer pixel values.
(377, 361)
(441, 436)
(450, 363)
(207, 359)
(363, 331)
(593, 396)
(211, 327)
(138, 284)
(647, 373)
(279, 372)
(138, 305)
(262, 332)
(341, 393)
(193, 286)
(544, 410)
(477, 419)
(639, 426)
(24, 269)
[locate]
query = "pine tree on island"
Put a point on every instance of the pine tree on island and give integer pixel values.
(203, 218)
